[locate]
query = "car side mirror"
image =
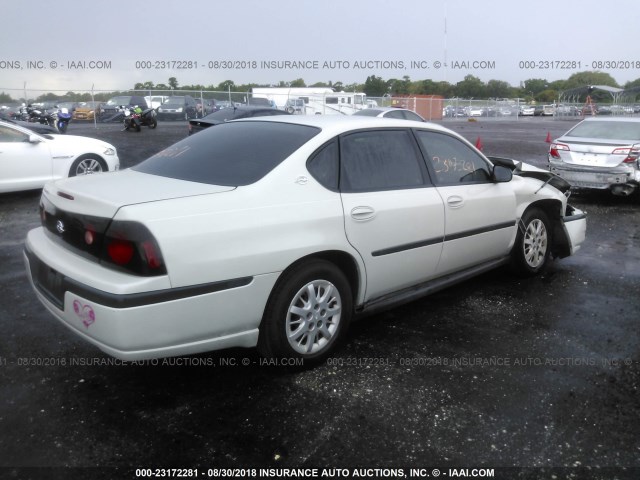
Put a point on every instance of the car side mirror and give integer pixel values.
(34, 139)
(502, 174)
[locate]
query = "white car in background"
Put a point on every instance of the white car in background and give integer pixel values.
(599, 153)
(28, 160)
(390, 112)
(277, 242)
(527, 111)
(154, 101)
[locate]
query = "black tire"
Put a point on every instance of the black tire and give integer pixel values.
(532, 248)
(316, 327)
(87, 165)
(153, 123)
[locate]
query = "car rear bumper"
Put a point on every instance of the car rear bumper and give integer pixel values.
(597, 178)
(145, 325)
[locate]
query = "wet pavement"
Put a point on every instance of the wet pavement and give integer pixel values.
(531, 377)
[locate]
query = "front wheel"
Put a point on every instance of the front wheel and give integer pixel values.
(153, 123)
(87, 165)
(308, 313)
(532, 249)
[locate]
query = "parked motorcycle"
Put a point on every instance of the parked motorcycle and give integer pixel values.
(135, 117)
(63, 117)
(43, 117)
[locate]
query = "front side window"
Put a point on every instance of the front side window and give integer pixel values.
(379, 160)
(452, 160)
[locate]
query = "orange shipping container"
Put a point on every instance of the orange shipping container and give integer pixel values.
(428, 107)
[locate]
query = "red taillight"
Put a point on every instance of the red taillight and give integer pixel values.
(120, 251)
(632, 153)
(154, 260)
(132, 247)
(554, 147)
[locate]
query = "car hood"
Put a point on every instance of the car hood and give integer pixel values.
(72, 145)
(103, 194)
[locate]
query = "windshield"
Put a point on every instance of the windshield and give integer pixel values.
(232, 154)
(175, 101)
(119, 101)
(607, 130)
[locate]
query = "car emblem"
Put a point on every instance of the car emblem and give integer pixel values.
(60, 226)
(302, 180)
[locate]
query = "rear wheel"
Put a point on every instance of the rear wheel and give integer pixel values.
(308, 313)
(87, 165)
(532, 249)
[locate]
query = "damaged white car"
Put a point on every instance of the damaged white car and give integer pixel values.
(274, 232)
(600, 153)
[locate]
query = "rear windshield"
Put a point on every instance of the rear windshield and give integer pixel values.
(607, 130)
(231, 154)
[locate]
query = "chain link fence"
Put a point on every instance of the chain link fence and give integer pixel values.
(431, 108)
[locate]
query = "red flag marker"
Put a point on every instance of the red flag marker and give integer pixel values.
(548, 140)
(479, 145)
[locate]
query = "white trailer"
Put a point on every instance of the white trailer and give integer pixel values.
(313, 100)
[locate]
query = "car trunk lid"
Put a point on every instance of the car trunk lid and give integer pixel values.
(78, 212)
(104, 194)
(586, 152)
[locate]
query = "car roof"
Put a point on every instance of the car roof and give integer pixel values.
(335, 124)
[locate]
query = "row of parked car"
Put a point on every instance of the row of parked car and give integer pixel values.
(179, 107)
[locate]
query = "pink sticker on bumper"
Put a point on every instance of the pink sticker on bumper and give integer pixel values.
(84, 312)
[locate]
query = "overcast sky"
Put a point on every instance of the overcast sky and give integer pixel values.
(76, 44)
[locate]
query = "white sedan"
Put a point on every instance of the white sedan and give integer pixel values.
(273, 232)
(390, 112)
(28, 160)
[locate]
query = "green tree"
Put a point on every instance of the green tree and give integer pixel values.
(498, 89)
(533, 86)
(375, 86)
(582, 79)
(173, 83)
(547, 96)
(226, 85)
(400, 87)
(632, 84)
(471, 87)
(297, 83)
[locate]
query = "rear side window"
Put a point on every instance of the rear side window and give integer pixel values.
(379, 160)
(231, 154)
(324, 165)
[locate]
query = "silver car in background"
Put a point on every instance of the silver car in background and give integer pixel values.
(599, 153)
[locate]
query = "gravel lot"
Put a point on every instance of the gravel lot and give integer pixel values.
(532, 378)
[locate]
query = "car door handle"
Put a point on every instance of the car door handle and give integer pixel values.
(455, 201)
(361, 214)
